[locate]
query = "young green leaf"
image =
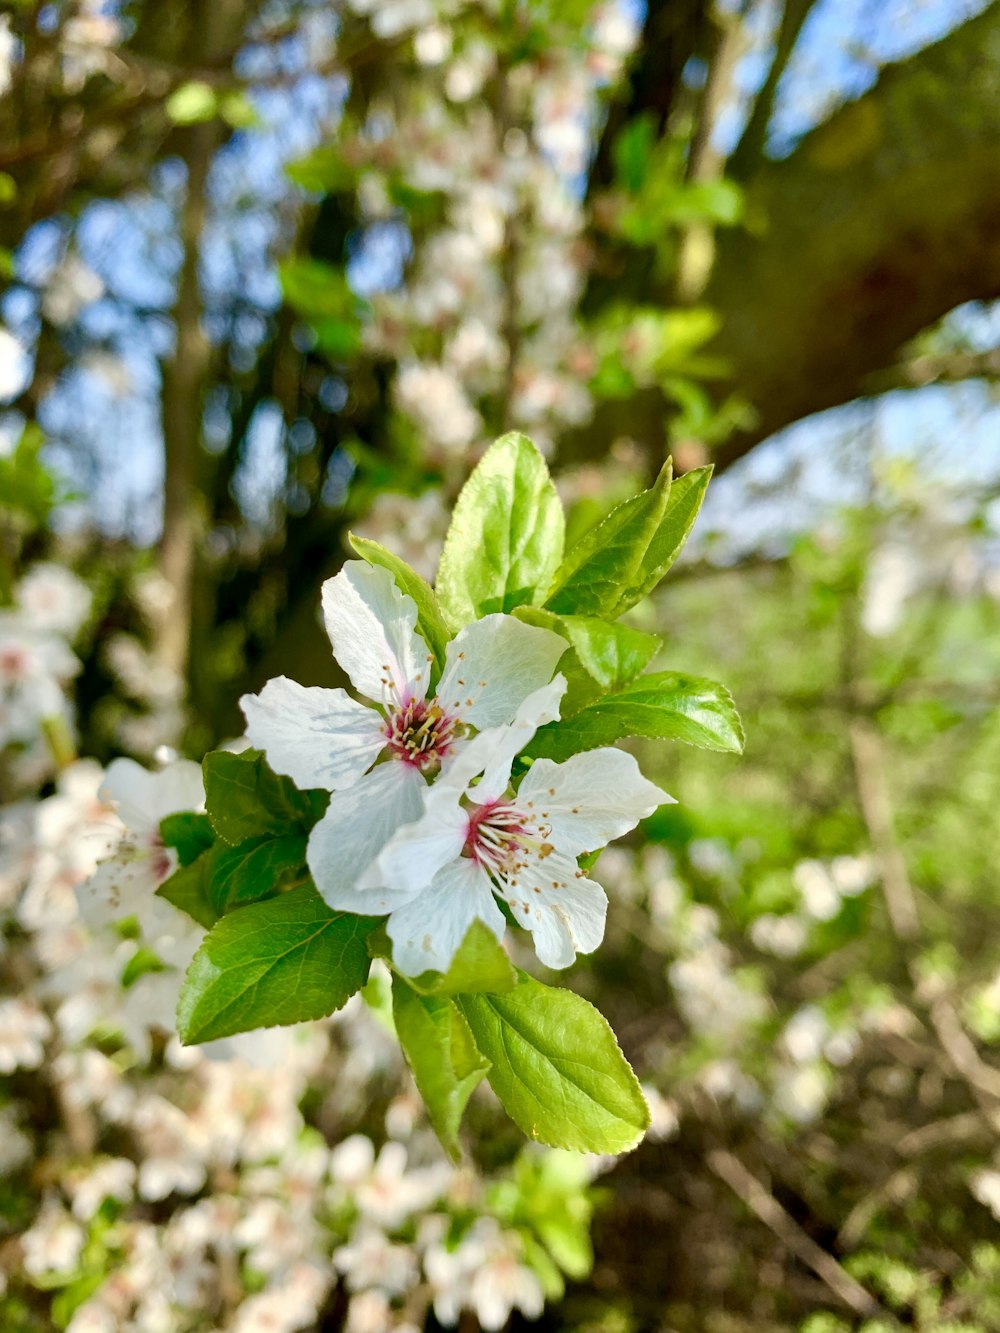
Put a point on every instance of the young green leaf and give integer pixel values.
(686, 496)
(612, 654)
(281, 961)
(246, 799)
(430, 621)
(623, 558)
(187, 888)
(506, 535)
(440, 1051)
(608, 557)
(557, 1068)
(189, 834)
(255, 869)
(663, 706)
(479, 965)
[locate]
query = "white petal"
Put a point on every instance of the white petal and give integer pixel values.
(317, 737)
(564, 910)
(540, 707)
(427, 932)
(371, 625)
(355, 828)
(411, 859)
(590, 799)
(492, 752)
(492, 666)
(143, 798)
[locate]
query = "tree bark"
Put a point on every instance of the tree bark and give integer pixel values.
(883, 220)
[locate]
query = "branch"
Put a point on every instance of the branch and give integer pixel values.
(766, 1207)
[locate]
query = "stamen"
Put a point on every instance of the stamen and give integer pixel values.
(420, 733)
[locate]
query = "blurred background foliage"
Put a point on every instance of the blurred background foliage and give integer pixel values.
(276, 270)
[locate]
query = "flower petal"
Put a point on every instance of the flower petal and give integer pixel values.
(415, 854)
(564, 910)
(492, 666)
(428, 931)
(143, 797)
(590, 799)
(317, 737)
(354, 830)
(371, 625)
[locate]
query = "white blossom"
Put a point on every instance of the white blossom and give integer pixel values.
(476, 840)
(323, 738)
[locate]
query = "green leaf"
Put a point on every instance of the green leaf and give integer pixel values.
(662, 705)
(607, 559)
(624, 557)
(612, 654)
(686, 496)
(439, 1049)
(506, 535)
(192, 103)
(189, 834)
(187, 888)
(557, 1068)
(430, 621)
(142, 962)
(246, 799)
(255, 869)
(281, 961)
(479, 965)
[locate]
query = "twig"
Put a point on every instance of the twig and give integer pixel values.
(766, 1207)
(873, 793)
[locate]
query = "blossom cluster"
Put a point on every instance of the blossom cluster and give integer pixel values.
(259, 1215)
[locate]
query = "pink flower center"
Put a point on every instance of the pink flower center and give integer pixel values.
(13, 662)
(420, 733)
(503, 839)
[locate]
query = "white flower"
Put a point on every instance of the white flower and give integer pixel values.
(54, 599)
(126, 883)
(475, 840)
(324, 738)
(23, 1030)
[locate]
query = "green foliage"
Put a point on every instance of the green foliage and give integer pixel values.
(322, 295)
(430, 621)
(662, 706)
(281, 961)
(506, 535)
(246, 799)
(28, 491)
(255, 869)
(557, 1068)
(624, 557)
(479, 965)
(189, 834)
(439, 1048)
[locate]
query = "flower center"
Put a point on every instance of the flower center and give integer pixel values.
(503, 839)
(420, 733)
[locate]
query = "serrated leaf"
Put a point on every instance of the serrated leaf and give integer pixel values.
(607, 558)
(246, 799)
(430, 621)
(673, 530)
(189, 834)
(612, 654)
(187, 888)
(557, 1068)
(662, 706)
(480, 964)
(281, 961)
(506, 535)
(255, 869)
(442, 1055)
